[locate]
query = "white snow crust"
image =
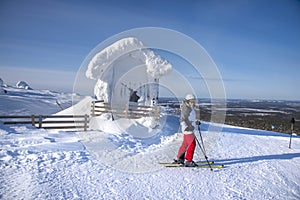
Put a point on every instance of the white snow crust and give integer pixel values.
(53, 164)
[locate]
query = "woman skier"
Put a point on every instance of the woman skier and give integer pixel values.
(187, 119)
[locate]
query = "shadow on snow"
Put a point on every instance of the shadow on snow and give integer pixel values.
(287, 156)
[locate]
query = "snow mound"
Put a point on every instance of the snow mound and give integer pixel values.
(23, 85)
(83, 107)
(143, 127)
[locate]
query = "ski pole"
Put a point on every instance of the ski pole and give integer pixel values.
(197, 111)
(59, 105)
(211, 169)
(198, 124)
(292, 129)
(202, 146)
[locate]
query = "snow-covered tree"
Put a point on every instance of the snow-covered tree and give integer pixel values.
(23, 85)
(127, 66)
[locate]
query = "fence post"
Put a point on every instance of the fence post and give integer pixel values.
(40, 121)
(126, 110)
(93, 108)
(32, 120)
(157, 114)
(85, 122)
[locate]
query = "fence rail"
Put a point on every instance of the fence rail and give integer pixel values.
(82, 121)
(49, 121)
(125, 110)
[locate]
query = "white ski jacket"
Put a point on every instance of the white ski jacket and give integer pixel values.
(187, 118)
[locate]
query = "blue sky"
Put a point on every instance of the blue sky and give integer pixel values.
(255, 43)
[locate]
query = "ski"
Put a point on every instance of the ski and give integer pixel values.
(213, 166)
(198, 162)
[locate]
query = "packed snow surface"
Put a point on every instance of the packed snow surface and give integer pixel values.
(53, 164)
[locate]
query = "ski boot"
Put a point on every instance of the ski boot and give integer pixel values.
(178, 161)
(190, 164)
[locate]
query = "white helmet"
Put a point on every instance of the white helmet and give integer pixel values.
(190, 97)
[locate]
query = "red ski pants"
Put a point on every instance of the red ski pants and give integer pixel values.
(188, 147)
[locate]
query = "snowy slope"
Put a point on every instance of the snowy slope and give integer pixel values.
(51, 164)
(27, 102)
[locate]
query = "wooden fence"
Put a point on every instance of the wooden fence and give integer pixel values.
(49, 121)
(128, 111)
(82, 121)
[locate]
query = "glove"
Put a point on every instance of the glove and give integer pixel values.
(198, 122)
